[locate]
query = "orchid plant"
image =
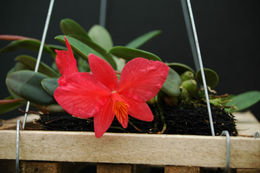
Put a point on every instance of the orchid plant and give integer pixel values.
(99, 94)
(92, 78)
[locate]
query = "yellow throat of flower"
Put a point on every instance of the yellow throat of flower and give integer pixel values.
(120, 109)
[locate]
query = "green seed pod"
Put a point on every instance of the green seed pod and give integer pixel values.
(190, 86)
(185, 95)
(187, 75)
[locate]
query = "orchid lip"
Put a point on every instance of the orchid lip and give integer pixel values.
(120, 108)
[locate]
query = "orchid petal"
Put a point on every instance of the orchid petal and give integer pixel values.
(104, 118)
(103, 71)
(65, 61)
(139, 110)
(141, 79)
(81, 95)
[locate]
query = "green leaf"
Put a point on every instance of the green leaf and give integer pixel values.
(172, 84)
(101, 36)
(130, 53)
(30, 62)
(27, 84)
(69, 26)
(54, 67)
(83, 49)
(90, 43)
(212, 78)
(17, 67)
(50, 85)
(28, 44)
(243, 101)
(83, 65)
(143, 39)
(13, 37)
(120, 63)
(53, 47)
(179, 67)
(10, 106)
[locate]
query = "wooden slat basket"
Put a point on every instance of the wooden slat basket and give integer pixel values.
(62, 152)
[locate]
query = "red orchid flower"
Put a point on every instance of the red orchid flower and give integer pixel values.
(99, 94)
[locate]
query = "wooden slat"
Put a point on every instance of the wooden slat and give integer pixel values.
(181, 169)
(114, 168)
(40, 167)
(182, 150)
(248, 170)
(142, 149)
(247, 124)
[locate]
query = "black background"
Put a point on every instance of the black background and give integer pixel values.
(229, 33)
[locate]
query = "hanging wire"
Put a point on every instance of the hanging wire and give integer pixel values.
(190, 33)
(226, 133)
(40, 54)
(17, 164)
(194, 42)
(102, 14)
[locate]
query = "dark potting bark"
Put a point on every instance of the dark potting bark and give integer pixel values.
(185, 119)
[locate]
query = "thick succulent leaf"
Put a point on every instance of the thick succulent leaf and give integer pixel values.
(130, 53)
(101, 36)
(54, 67)
(90, 43)
(83, 50)
(212, 78)
(10, 106)
(243, 101)
(13, 37)
(27, 85)
(172, 84)
(53, 47)
(28, 44)
(51, 108)
(139, 41)
(4, 108)
(69, 26)
(30, 62)
(179, 67)
(17, 67)
(50, 85)
(120, 63)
